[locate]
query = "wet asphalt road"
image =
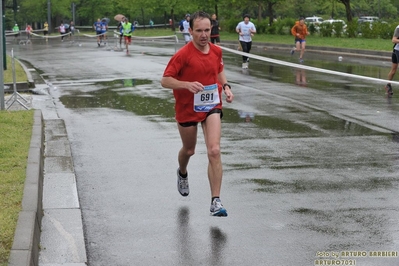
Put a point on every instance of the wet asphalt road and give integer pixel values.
(313, 173)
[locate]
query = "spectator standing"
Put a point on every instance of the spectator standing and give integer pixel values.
(215, 38)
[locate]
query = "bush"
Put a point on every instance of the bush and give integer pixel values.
(313, 29)
(272, 29)
(230, 24)
(352, 29)
(338, 29)
(383, 30)
(366, 29)
(281, 26)
(326, 29)
(262, 27)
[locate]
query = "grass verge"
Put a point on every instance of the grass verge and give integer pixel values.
(15, 136)
(20, 74)
(312, 40)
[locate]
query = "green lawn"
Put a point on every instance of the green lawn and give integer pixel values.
(20, 74)
(15, 135)
(312, 40)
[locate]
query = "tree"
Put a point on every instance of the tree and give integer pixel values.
(270, 10)
(347, 5)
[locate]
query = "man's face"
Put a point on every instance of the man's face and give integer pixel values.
(246, 20)
(201, 31)
(214, 17)
(302, 22)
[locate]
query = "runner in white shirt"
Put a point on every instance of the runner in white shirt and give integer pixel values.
(62, 31)
(185, 31)
(245, 30)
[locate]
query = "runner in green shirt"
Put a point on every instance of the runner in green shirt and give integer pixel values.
(128, 28)
(15, 29)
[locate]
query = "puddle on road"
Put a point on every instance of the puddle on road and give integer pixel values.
(315, 80)
(310, 186)
(368, 225)
(142, 98)
(120, 94)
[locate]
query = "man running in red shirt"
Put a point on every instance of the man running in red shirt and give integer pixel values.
(195, 74)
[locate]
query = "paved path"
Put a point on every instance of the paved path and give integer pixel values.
(315, 171)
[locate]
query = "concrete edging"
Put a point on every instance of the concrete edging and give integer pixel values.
(25, 248)
(21, 86)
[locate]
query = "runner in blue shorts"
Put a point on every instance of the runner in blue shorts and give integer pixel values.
(104, 28)
(97, 27)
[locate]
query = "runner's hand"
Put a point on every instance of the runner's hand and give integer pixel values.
(229, 95)
(195, 87)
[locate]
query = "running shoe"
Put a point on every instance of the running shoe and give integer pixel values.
(217, 208)
(182, 185)
(245, 65)
(292, 51)
(300, 61)
(388, 88)
(98, 44)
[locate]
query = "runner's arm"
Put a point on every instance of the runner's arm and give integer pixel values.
(174, 84)
(227, 90)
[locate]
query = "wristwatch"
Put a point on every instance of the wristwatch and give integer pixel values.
(226, 84)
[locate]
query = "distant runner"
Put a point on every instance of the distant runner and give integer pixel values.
(97, 27)
(128, 28)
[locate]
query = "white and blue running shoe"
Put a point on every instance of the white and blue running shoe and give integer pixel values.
(217, 208)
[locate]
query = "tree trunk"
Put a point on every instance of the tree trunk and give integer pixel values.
(172, 14)
(142, 14)
(271, 13)
(347, 5)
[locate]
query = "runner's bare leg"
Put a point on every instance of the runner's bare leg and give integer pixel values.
(212, 133)
(188, 137)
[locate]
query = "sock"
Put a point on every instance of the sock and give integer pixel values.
(214, 198)
(183, 176)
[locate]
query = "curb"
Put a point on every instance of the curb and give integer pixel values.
(25, 248)
(31, 83)
(21, 86)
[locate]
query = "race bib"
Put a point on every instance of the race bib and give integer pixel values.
(207, 99)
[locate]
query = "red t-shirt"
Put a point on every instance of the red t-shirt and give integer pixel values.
(190, 64)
